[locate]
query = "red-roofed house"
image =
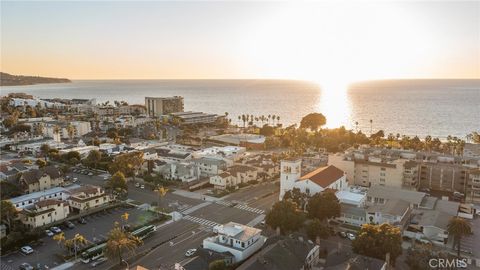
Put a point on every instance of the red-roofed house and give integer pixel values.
(328, 177)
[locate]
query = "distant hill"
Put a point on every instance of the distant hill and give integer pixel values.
(10, 80)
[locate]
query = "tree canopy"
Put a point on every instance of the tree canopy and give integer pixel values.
(313, 121)
(128, 163)
(285, 215)
(378, 240)
(118, 182)
(323, 205)
(316, 228)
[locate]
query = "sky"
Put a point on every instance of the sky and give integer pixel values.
(329, 42)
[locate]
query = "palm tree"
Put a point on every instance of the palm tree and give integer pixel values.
(356, 126)
(458, 227)
(119, 242)
(371, 127)
(278, 119)
(70, 131)
(161, 191)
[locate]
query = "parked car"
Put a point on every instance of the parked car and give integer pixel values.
(142, 186)
(55, 229)
(342, 234)
(262, 223)
(49, 233)
(69, 224)
(351, 236)
(137, 184)
(90, 173)
(25, 266)
(26, 250)
(190, 252)
(82, 221)
(75, 179)
(98, 261)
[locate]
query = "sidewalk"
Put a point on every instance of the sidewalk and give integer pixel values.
(194, 195)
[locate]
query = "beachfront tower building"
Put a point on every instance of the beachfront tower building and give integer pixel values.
(158, 106)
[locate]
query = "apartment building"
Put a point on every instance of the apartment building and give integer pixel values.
(158, 106)
(189, 118)
(240, 240)
(44, 212)
(445, 176)
(472, 191)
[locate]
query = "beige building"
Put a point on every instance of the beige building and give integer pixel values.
(371, 170)
(41, 179)
(473, 187)
(234, 176)
(158, 106)
(375, 171)
(87, 197)
(44, 212)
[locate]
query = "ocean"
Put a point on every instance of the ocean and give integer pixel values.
(412, 107)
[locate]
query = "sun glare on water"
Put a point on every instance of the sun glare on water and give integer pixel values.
(335, 45)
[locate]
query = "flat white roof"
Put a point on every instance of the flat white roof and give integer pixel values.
(348, 196)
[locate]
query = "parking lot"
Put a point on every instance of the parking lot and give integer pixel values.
(49, 252)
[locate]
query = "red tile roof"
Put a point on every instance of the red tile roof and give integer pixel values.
(323, 176)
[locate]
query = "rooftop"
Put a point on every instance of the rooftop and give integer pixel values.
(238, 231)
(324, 176)
(410, 196)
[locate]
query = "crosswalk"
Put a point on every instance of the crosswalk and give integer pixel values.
(225, 203)
(4, 266)
(195, 208)
(241, 206)
(201, 221)
(250, 209)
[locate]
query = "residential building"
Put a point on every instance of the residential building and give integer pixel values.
(87, 197)
(393, 211)
(189, 118)
(44, 212)
(249, 141)
(182, 171)
(57, 193)
(233, 153)
(444, 176)
(472, 191)
(471, 150)
(240, 240)
(41, 179)
(158, 106)
(328, 177)
(429, 222)
(380, 195)
(233, 176)
(210, 166)
(284, 253)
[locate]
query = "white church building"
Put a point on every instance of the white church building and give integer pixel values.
(328, 177)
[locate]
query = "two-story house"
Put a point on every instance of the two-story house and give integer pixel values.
(87, 197)
(41, 179)
(239, 240)
(44, 212)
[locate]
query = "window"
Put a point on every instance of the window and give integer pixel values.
(383, 169)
